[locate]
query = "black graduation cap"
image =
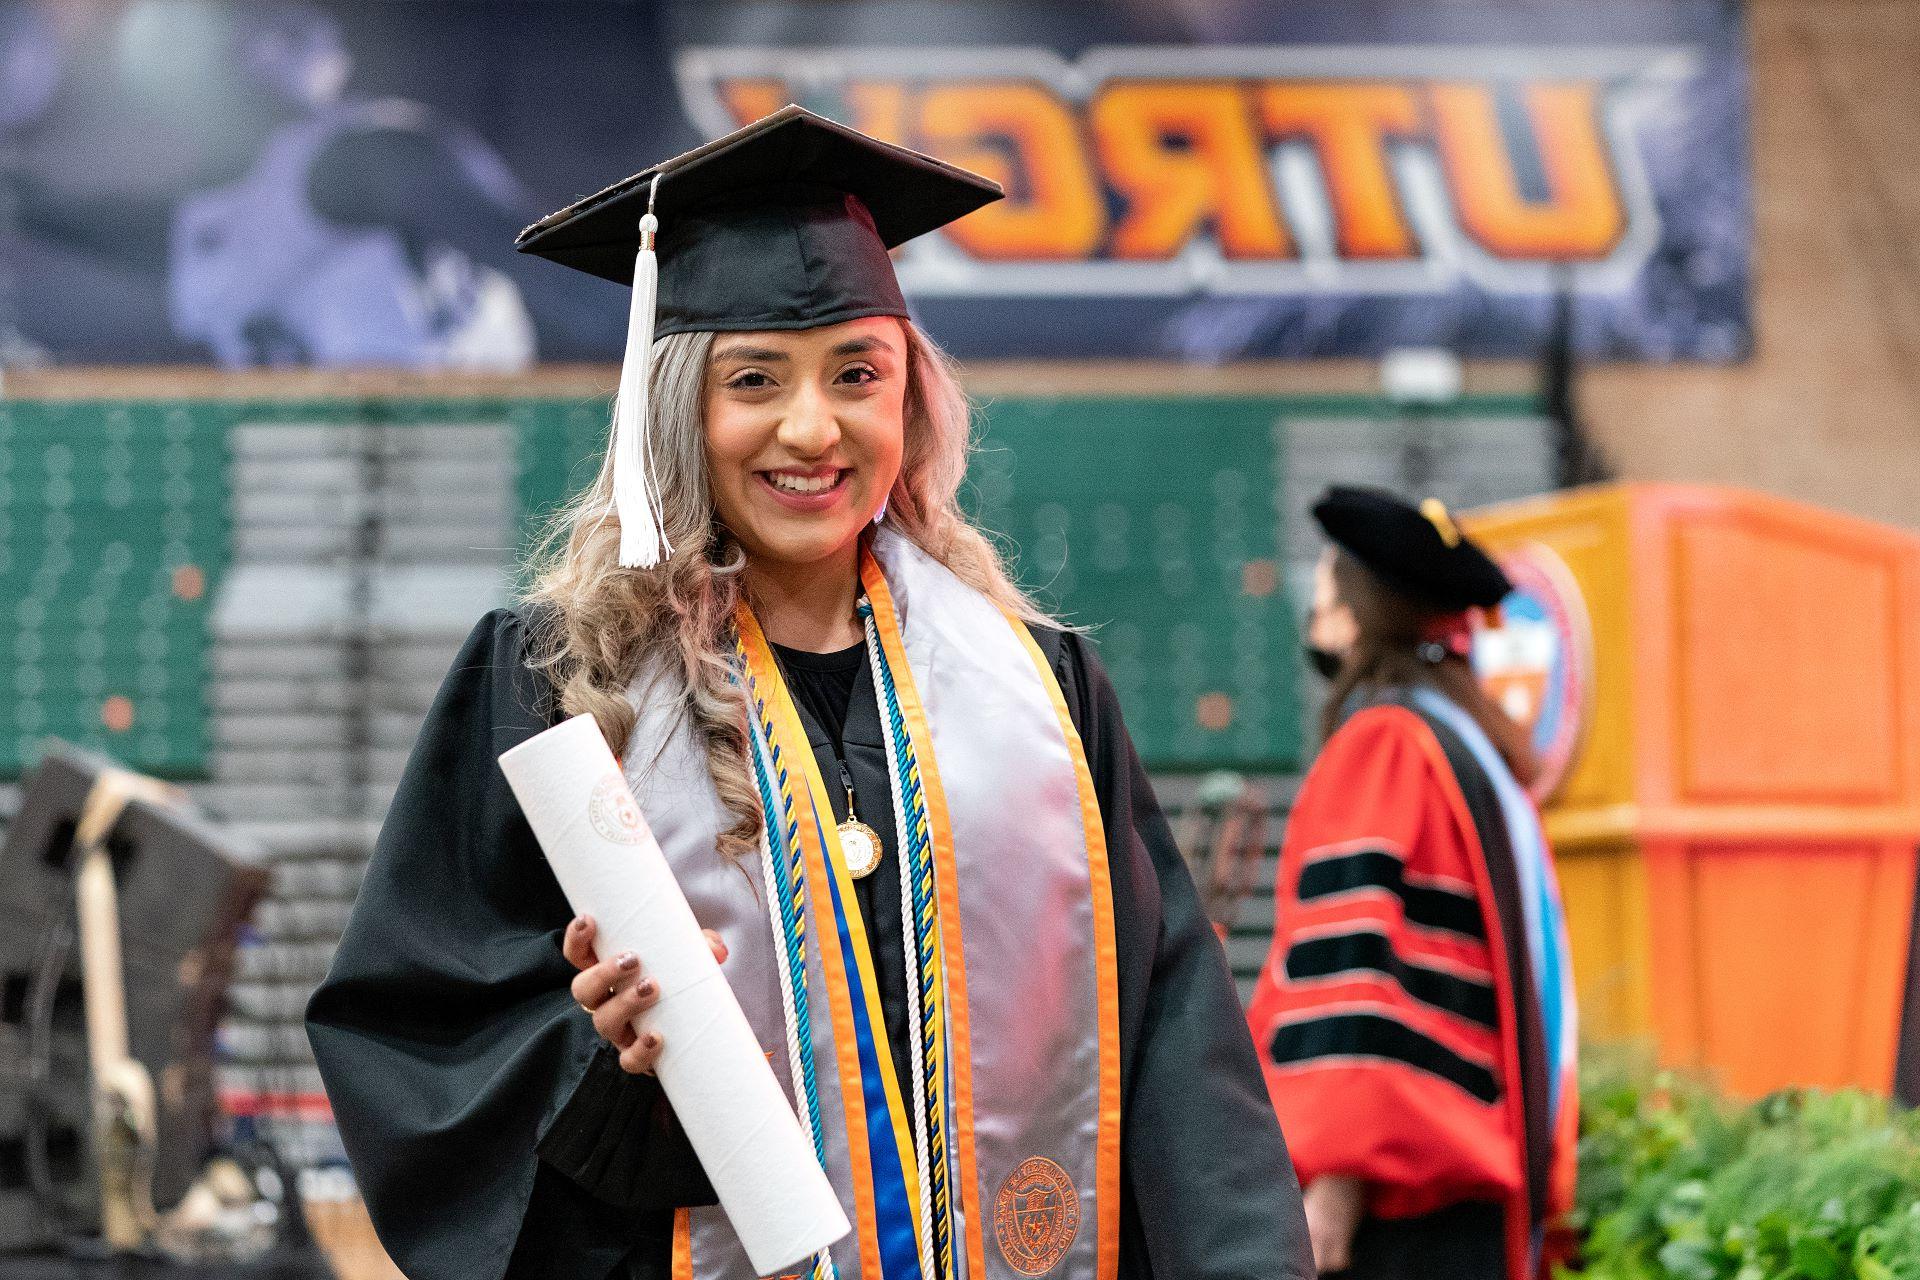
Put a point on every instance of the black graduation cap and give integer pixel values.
(1416, 550)
(784, 224)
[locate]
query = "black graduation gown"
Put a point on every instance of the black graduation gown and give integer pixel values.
(494, 1135)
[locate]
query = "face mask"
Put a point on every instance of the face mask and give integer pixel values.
(1324, 661)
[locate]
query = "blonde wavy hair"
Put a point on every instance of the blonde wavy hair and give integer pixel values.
(594, 626)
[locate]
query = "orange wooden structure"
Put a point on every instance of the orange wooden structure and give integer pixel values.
(1736, 831)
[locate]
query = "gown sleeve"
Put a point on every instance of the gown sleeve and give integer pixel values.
(1209, 1193)
(478, 1107)
(1377, 1013)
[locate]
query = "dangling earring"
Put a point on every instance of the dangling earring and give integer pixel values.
(881, 514)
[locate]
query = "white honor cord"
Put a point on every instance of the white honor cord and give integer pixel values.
(823, 1261)
(916, 1032)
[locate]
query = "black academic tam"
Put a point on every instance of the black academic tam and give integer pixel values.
(1418, 551)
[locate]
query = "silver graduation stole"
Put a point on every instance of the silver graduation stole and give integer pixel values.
(1011, 1166)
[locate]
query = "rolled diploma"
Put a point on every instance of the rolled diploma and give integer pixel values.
(713, 1070)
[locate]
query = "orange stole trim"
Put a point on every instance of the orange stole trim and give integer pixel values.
(1106, 958)
(1519, 1231)
(952, 946)
(832, 962)
(682, 1244)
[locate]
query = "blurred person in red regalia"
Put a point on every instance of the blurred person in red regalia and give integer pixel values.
(1415, 1017)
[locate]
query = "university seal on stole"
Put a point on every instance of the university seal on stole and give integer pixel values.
(613, 813)
(1035, 1216)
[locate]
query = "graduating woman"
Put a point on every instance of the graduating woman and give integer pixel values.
(904, 805)
(1415, 1015)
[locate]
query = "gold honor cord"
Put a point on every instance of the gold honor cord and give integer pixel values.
(125, 1115)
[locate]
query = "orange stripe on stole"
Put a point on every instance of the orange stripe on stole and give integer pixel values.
(1106, 975)
(682, 1244)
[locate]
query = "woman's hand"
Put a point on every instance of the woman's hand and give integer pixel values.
(614, 992)
(1334, 1205)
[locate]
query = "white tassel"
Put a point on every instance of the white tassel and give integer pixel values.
(643, 531)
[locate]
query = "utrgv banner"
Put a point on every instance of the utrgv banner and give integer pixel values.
(1235, 172)
(1291, 180)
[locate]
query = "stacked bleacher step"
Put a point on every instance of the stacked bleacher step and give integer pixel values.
(362, 556)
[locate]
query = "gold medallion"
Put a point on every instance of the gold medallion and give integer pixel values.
(860, 844)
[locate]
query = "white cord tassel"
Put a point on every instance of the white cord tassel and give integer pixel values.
(643, 531)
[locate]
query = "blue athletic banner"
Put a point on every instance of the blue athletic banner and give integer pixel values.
(339, 183)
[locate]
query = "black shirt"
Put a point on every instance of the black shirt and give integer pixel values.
(822, 685)
(835, 695)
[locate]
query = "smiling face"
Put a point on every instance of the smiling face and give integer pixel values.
(804, 432)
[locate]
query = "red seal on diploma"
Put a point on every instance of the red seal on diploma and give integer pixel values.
(1035, 1216)
(614, 814)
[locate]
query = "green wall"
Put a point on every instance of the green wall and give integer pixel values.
(113, 534)
(1155, 524)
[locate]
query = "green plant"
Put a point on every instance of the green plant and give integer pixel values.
(1677, 1183)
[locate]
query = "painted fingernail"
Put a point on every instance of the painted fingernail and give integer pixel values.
(653, 1040)
(646, 987)
(627, 961)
